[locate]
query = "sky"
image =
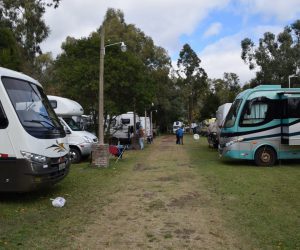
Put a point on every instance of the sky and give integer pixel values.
(214, 29)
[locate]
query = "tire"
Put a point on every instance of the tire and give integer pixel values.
(75, 155)
(265, 156)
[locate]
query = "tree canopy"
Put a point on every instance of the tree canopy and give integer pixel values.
(275, 58)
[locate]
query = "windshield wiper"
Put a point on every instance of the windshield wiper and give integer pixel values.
(41, 122)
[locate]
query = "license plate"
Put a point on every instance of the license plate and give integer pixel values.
(61, 166)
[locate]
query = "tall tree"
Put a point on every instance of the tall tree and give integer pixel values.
(25, 18)
(130, 78)
(192, 79)
(10, 51)
(275, 57)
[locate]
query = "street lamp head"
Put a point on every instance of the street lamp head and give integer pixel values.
(123, 47)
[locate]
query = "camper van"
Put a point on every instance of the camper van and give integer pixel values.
(122, 128)
(263, 124)
(33, 151)
(80, 141)
(145, 122)
(177, 125)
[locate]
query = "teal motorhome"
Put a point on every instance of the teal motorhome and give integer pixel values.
(33, 146)
(263, 124)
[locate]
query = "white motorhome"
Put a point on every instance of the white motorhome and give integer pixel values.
(177, 125)
(33, 151)
(122, 128)
(148, 127)
(80, 142)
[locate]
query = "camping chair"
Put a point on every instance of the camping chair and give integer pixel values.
(117, 151)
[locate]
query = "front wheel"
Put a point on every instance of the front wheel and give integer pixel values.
(265, 156)
(75, 155)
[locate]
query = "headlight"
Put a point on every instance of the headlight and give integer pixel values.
(34, 157)
(87, 139)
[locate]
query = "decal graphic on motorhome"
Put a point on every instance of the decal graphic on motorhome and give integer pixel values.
(59, 147)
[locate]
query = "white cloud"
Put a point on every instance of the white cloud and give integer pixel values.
(213, 29)
(225, 56)
(282, 10)
(164, 21)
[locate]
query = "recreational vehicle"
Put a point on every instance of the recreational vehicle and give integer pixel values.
(177, 125)
(122, 128)
(80, 141)
(147, 126)
(263, 124)
(33, 151)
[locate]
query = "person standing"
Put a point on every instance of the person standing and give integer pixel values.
(179, 135)
(140, 134)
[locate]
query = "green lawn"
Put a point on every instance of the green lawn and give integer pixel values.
(261, 204)
(30, 221)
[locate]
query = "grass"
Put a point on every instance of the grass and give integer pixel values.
(29, 221)
(261, 205)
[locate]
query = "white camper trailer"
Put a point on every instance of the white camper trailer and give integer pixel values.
(123, 127)
(33, 149)
(148, 127)
(80, 142)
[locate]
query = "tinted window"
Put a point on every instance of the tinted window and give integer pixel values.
(293, 108)
(259, 111)
(125, 121)
(33, 108)
(3, 118)
(232, 114)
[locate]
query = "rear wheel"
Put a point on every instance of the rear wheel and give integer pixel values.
(265, 156)
(75, 155)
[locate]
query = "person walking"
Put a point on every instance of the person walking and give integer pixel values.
(179, 136)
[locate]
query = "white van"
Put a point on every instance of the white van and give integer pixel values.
(33, 151)
(80, 142)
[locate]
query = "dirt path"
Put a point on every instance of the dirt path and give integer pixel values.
(162, 205)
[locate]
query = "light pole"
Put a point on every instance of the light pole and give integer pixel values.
(100, 151)
(101, 82)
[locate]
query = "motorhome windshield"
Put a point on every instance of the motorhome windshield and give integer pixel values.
(72, 124)
(232, 114)
(33, 109)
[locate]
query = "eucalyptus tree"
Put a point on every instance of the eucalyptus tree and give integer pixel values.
(25, 19)
(275, 58)
(192, 80)
(10, 51)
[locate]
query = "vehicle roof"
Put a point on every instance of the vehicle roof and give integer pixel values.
(14, 74)
(266, 88)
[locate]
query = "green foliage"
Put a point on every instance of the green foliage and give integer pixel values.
(25, 18)
(275, 57)
(10, 53)
(131, 79)
(192, 80)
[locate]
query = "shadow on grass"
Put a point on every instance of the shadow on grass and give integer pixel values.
(29, 197)
(249, 163)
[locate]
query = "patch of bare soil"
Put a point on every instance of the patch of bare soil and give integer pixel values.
(165, 207)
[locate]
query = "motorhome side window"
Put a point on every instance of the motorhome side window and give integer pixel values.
(3, 118)
(33, 108)
(125, 121)
(293, 108)
(259, 111)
